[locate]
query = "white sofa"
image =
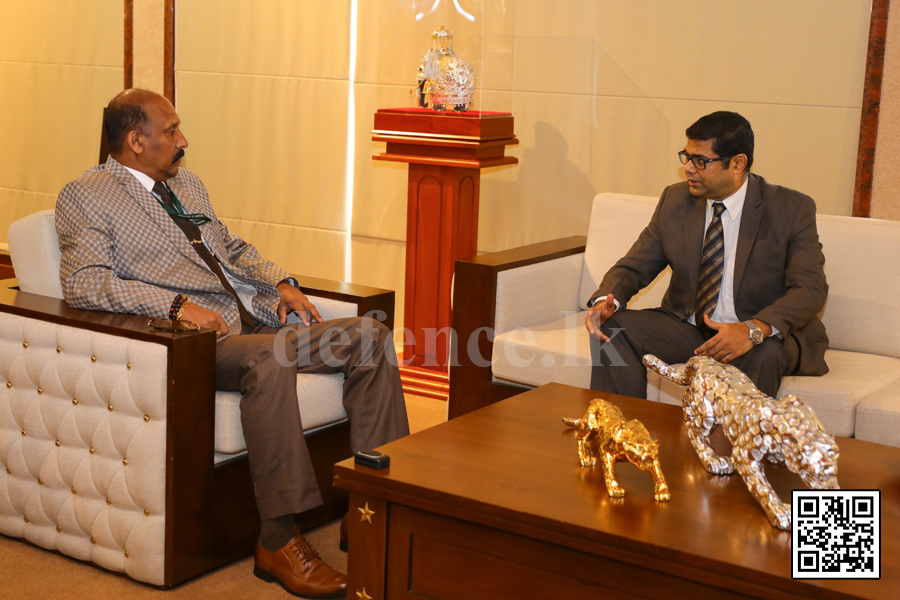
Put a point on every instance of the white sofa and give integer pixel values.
(115, 446)
(540, 294)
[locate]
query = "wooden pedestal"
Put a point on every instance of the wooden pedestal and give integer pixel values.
(445, 153)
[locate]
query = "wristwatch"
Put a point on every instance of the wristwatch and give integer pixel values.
(756, 334)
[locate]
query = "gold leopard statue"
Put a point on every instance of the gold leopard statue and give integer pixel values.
(618, 440)
(783, 431)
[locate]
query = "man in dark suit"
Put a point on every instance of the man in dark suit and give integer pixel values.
(747, 273)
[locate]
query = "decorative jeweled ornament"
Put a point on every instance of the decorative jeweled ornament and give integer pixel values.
(781, 431)
(443, 78)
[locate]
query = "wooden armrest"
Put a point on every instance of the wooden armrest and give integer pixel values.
(54, 310)
(526, 255)
(474, 294)
(368, 298)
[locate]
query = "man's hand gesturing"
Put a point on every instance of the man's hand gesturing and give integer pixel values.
(597, 316)
(204, 318)
(293, 299)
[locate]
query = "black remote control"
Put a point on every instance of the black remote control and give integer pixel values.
(373, 459)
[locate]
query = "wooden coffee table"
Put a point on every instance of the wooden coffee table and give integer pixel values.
(494, 504)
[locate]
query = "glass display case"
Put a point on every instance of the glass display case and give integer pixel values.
(479, 32)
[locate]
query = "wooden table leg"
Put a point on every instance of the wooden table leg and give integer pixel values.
(367, 549)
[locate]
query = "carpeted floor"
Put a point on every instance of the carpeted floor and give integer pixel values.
(30, 573)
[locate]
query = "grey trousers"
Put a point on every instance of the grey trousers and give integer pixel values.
(263, 367)
(617, 367)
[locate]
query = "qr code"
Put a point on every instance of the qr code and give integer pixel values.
(836, 534)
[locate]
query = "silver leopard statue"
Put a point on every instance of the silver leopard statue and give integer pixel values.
(759, 427)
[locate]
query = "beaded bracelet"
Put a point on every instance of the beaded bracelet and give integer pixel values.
(184, 305)
(178, 306)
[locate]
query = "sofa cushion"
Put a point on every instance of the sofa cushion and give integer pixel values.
(861, 314)
(83, 444)
(320, 398)
(878, 416)
(521, 303)
(669, 392)
(560, 352)
(554, 352)
(834, 396)
(616, 222)
(34, 250)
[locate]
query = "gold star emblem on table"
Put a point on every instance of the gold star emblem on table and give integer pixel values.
(363, 595)
(366, 514)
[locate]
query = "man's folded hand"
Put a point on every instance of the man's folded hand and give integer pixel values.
(205, 318)
(732, 341)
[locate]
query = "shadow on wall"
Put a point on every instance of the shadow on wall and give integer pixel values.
(550, 197)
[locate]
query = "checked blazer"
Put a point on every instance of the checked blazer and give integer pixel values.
(121, 251)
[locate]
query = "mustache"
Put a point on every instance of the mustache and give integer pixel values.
(178, 156)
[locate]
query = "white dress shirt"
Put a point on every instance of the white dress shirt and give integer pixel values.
(731, 226)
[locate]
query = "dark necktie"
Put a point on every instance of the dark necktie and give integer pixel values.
(193, 235)
(711, 262)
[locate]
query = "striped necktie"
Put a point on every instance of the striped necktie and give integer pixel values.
(711, 262)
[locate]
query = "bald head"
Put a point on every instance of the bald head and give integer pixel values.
(126, 112)
(142, 128)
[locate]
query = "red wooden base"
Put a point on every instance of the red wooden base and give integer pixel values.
(445, 153)
(441, 226)
(425, 382)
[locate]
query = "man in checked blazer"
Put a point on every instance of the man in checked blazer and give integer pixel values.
(753, 304)
(138, 235)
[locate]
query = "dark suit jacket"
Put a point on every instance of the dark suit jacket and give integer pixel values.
(778, 274)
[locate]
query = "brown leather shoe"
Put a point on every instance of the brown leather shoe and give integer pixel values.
(299, 570)
(342, 544)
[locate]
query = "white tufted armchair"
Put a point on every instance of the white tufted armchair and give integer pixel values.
(116, 448)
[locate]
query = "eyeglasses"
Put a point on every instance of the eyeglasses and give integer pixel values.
(698, 161)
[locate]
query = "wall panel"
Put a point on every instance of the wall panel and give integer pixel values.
(63, 32)
(263, 92)
(886, 176)
(768, 51)
(60, 63)
(381, 263)
(601, 90)
(379, 187)
(302, 250)
(274, 151)
(51, 137)
(264, 37)
(550, 190)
